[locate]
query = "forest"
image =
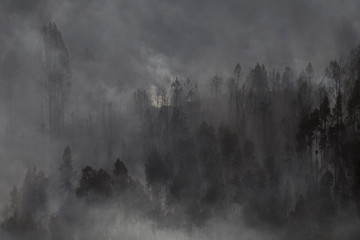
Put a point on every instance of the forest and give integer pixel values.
(277, 150)
(258, 151)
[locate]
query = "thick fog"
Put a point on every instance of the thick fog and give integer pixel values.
(154, 119)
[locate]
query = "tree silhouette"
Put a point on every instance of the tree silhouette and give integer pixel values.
(94, 183)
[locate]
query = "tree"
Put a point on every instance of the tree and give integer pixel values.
(34, 193)
(302, 102)
(334, 71)
(274, 80)
(228, 140)
(324, 114)
(120, 168)
(177, 94)
(57, 74)
(352, 151)
(288, 80)
(336, 138)
(120, 176)
(353, 107)
(103, 184)
(161, 96)
(310, 72)
(156, 171)
(142, 102)
(178, 116)
(94, 183)
(259, 78)
(191, 97)
(237, 72)
(353, 65)
(186, 182)
(216, 86)
(207, 147)
(236, 95)
(67, 172)
(28, 208)
(305, 136)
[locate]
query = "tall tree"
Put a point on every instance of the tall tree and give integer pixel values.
(288, 79)
(67, 172)
(216, 84)
(120, 176)
(57, 74)
(34, 193)
(259, 78)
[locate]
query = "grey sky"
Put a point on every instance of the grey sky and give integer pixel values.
(129, 39)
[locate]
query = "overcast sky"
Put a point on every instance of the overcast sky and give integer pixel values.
(150, 40)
